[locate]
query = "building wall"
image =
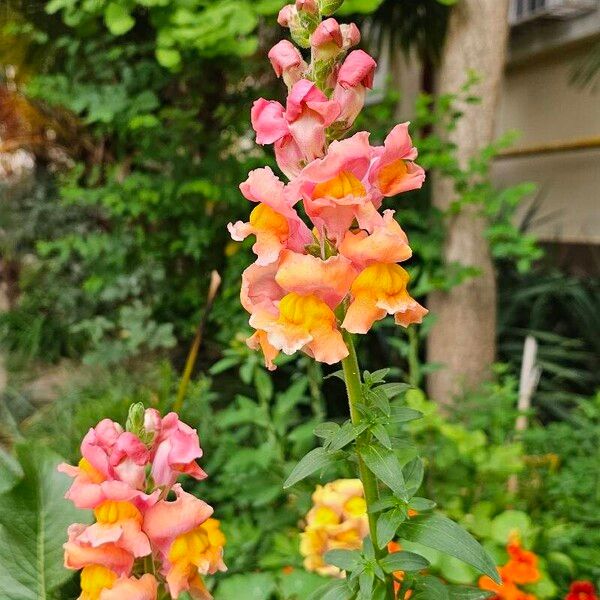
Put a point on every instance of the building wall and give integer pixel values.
(539, 100)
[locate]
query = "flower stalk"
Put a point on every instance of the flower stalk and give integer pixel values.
(353, 382)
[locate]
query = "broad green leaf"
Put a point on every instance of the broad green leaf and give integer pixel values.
(403, 561)
(34, 517)
(385, 465)
(439, 532)
(387, 525)
(297, 584)
(460, 592)
(430, 588)
(10, 471)
(347, 560)
(117, 19)
(336, 590)
(509, 522)
(315, 460)
(252, 586)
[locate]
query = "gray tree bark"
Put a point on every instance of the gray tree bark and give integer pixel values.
(463, 338)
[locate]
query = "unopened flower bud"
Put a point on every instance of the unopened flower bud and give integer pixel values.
(328, 7)
(307, 6)
(300, 30)
(135, 419)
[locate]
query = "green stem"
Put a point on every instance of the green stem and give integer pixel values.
(369, 481)
(414, 369)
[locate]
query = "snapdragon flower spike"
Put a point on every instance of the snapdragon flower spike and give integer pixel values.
(305, 288)
(125, 477)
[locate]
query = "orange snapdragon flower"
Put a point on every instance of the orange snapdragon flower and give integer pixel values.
(337, 520)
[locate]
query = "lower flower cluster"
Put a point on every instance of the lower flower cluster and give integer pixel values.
(147, 531)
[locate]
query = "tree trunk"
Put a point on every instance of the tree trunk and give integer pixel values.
(463, 338)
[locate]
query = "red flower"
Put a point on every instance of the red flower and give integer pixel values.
(582, 590)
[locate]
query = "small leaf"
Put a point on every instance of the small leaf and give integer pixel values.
(170, 58)
(316, 459)
(382, 435)
(339, 374)
(421, 504)
(391, 390)
(342, 437)
(379, 375)
(347, 560)
(385, 465)
(379, 400)
(403, 561)
(326, 430)
(388, 524)
(439, 532)
(117, 19)
(382, 504)
(413, 474)
(403, 414)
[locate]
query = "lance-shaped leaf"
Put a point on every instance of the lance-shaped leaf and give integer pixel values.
(315, 460)
(387, 525)
(403, 561)
(336, 590)
(385, 465)
(34, 517)
(439, 532)
(460, 592)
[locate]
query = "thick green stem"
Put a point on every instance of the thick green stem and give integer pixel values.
(369, 481)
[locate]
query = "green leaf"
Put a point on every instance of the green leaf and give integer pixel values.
(315, 460)
(34, 517)
(365, 584)
(117, 19)
(326, 430)
(170, 58)
(403, 414)
(10, 471)
(336, 590)
(385, 465)
(342, 437)
(403, 561)
(388, 524)
(460, 592)
(430, 588)
(382, 435)
(439, 532)
(509, 522)
(421, 504)
(413, 474)
(392, 390)
(297, 584)
(347, 560)
(253, 586)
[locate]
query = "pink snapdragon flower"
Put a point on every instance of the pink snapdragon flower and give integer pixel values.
(306, 287)
(125, 477)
